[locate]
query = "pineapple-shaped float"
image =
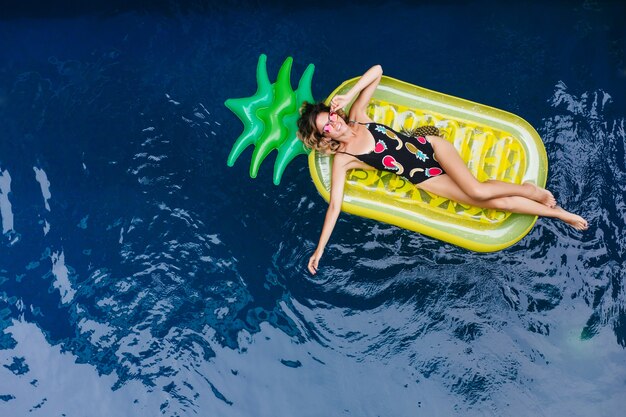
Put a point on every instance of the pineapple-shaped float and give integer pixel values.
(494, 144)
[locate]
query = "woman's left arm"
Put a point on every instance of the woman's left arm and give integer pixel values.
(362, 90)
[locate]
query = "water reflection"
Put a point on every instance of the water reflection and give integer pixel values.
(165, 283)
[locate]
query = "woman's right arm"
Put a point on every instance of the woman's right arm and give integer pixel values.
(334, 208)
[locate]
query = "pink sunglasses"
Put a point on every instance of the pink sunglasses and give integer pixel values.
(332, 117)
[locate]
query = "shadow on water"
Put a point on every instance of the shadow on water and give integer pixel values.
(64, 9)
(586, 127)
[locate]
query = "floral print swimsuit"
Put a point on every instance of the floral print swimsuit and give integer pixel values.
(410, 157)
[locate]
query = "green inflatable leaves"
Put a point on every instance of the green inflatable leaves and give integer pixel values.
(269, 118)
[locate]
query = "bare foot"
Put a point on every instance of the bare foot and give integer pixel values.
(572, 219)
(541, 195)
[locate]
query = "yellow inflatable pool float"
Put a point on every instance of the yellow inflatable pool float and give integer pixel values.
(495, 145)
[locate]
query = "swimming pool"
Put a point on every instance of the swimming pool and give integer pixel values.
(139, 275)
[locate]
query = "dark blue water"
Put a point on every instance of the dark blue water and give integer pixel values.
(140, 276)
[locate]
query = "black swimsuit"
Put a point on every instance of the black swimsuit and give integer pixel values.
(408, 156)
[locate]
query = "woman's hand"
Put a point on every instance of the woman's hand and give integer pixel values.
(340, 101)
(314, 261)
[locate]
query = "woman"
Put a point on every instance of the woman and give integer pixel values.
(433, 163)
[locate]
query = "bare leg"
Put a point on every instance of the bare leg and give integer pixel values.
(455, 167)
(445, 186)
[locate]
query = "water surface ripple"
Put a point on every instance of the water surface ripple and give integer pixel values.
(141, 276)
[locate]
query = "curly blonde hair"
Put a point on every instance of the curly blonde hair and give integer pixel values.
(307, 129)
